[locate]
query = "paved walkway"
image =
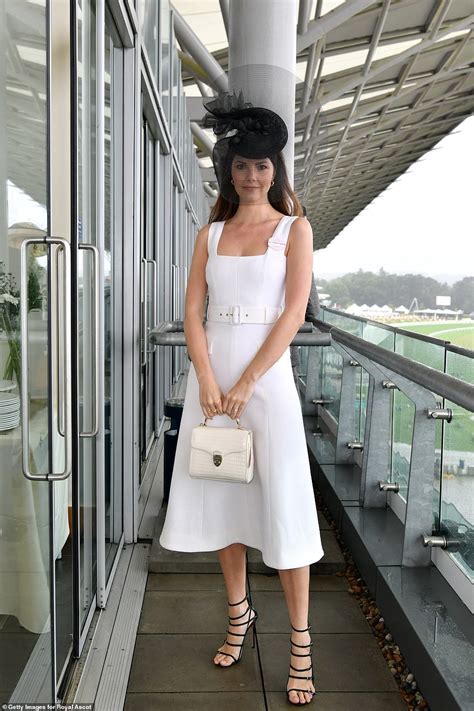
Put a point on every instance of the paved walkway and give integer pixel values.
(183, 622)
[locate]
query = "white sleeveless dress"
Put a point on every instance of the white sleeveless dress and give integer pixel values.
(276, 512)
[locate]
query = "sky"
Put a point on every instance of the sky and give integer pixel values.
(423, 223)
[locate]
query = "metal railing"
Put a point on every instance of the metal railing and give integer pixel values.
(358, 370)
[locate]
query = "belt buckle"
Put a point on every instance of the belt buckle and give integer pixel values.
(234, 320)
(268, 314)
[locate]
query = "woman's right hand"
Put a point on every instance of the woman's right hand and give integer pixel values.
(210, 396)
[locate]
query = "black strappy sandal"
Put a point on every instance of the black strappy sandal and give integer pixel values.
(251, 623)
(293, 676)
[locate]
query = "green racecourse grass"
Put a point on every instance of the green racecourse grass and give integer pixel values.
(459, 434)
(459, 333)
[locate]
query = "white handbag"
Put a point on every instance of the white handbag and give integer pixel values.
(221, 453)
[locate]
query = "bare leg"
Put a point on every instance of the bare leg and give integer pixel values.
(295, 583)
(232, 560)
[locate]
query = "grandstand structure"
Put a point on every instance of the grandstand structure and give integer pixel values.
(105, 180)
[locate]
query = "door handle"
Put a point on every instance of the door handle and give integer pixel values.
(155, 286)
(25, 405)
(174, 289)
(95, 254)
(144, 285)
(174, 309)
(56, 350)
(144, 281)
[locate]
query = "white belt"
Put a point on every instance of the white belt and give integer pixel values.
(236, 313)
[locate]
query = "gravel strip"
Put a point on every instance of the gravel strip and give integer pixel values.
(390, 650)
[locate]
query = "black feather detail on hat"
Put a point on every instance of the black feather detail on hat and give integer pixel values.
(221, 110)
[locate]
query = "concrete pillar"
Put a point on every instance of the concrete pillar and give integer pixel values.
(262, 59)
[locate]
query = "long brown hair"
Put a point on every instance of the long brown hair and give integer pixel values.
(280, 195)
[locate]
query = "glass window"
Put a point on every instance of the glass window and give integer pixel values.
(174, 110)
(180, 116)
(148, 27)
(25, 514)
(165, 54)
(456, 481)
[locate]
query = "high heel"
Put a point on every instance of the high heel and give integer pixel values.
(251, 623)
(293, 676)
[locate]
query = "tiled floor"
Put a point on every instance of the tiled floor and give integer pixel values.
(183, 622)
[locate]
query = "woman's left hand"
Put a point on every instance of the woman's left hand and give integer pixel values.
(236, 399)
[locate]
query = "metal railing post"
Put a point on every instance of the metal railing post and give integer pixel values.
(313, 388)
(419, 499)
(346, 417)
(377, 434)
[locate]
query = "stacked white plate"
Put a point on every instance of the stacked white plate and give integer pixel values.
(9, 406)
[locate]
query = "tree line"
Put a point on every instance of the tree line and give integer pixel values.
(363, 287)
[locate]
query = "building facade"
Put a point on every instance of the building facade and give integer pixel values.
(100, 203)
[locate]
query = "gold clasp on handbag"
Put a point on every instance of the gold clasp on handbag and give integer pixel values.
(217, 458)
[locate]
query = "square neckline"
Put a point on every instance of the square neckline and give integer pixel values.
(245, 256)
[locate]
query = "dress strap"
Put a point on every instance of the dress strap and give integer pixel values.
(278, 241)
(211, 237)
(215, 229)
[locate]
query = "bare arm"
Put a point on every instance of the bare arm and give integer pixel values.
(196, 291)
(299, 271)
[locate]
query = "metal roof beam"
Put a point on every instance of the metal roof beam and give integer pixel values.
(203, 140)
(323, 25)
(378, 105)
(191, 43)
(382, 66)
(224, 4)
(362, 131)
(304, 9)
(355, 101)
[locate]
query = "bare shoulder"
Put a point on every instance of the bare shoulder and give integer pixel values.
(204, 231)
(300, 232)
(301, 224)
(202, 238)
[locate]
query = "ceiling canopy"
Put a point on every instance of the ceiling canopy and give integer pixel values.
(379, 87)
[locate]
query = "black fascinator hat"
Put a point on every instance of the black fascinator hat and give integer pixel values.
(256, 132)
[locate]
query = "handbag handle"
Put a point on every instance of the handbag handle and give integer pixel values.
(208, 418)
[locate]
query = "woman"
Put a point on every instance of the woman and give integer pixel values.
(255, 260)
